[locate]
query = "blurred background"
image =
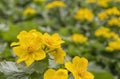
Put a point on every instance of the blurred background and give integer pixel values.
(90, 28)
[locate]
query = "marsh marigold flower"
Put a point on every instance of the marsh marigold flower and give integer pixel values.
(79, 38)
(30, 47)
(55, 4)
(113, 45)
(114, 22)
(53, 74)
(53, 43)
(29, 11)
(84, 14)
(78, 67)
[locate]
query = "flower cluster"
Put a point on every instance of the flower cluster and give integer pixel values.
(84, 14)
(29, 11)
(78, 67)
(106, 33)
(108, 12)
(79, 38)
(34, 46)
(55, 4)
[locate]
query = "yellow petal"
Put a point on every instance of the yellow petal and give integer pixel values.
(49, 74)
(29, 61)
(69, 66)
(80, 63)
(23, 58)
(59, 55)
(87, 75)
(61, 74)
(14, 44)
(40, 55)
(18, 51)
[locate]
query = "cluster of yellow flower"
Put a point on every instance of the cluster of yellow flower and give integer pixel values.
(79, 38)
(106, 33)
(55, 4)
(29, 11)
(113, 45)
(78, 67)
(33, 46)
(84, 14)
(111, 11)
(114, 21)
(101, 3)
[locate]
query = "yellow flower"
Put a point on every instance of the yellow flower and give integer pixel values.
(53, 74)
(55, 4)
(78, 67)
(102, 16)
(91, 1)
(114, 21)
(39, 1)
(113, 11)
(52, 41)
(103, 3)
(79, 38)
(29, 11)
(30, 47)
(114, 45)
(84, 14)
(58, 55)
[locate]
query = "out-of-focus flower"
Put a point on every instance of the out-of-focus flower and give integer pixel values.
(102, 16)
(84, 14)
(55, 4)
(59, 55)
(114, 21)
(106, 33)
(113, 11)
(52, 41)
(79, 38)
(103, 3)
(113, 45)
(53, 74)
(53, 46)
(39, 1)
(29, 48)
(29, 11)
(91, 1)
(78, 67)
(109, 12)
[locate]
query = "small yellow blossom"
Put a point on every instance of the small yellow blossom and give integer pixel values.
(53, 74)
(29, 47)
(113, 11)
(102, 16)
(84, 14)
(106, 33)
(79, 38)
(114, 22)
(55, 4)
(52, 41)
(58, 55)
(103, 3)
(29, 11)
(78, 67)
(91, 1)
(39, 1)
(109, 12)
(114, 45)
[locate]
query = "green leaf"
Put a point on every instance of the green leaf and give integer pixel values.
(102, 75)
(41, 66)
